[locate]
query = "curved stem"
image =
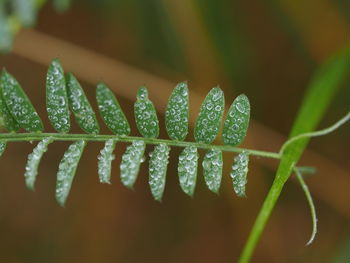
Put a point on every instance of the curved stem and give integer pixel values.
(316, 133)
(310, 202)
(19, 137)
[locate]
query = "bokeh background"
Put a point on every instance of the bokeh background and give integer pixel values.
(265, 49)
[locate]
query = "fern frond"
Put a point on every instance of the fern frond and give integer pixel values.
(65, 94)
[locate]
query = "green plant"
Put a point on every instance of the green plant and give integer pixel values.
(64, 94)
(16, 14)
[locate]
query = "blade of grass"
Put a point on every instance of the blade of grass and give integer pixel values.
(319, 94)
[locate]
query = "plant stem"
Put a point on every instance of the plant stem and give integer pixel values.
(310, 202)
(20, 137)
(263, 216)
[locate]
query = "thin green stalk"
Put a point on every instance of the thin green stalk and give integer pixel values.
(310, 202)
(263, 216)
(19, 137)
(316, 133)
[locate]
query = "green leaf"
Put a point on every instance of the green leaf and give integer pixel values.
(209, 118)
(33, 162)
(177, 113)
(56, 98)
(157, 170)
(2, 147)
(146, 115)
(81, 108)
(6, 118)
(25, 10)
(110, 111)
(239, 173)
(19, 104)
(237, 121)
(66, 170)
(318, 96)
(105, 161)
(187, 169)
(212, 169)
(131, 161)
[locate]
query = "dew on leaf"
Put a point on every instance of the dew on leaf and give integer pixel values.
(212, 169)
(209, 117)
(177, 113)
(56, 98)
(105, 161)
(130, 164)
(67, 169)
(81, 108)
(145, 115)
(237, 121)
(157, 170)
(239, 173)
(7, 120)
(110, 111)
(187, 169)
(2, 147)
(34, 158)
(19, 105)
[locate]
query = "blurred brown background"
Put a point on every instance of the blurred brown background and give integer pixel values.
(265, 49)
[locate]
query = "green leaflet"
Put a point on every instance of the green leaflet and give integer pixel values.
(6, 118)
(19, 104)
(146, 115)
(237, 121)
(33, 162)
(66, 170)
(131, 161)
(81, 108)
(56, 98)
(209, 118)
(2, 147)
(212, 169)
(105, 161)
(176, 114)
(110, 111)
(187, 169)
(157, 170)
(239, 173)
(25, 10)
